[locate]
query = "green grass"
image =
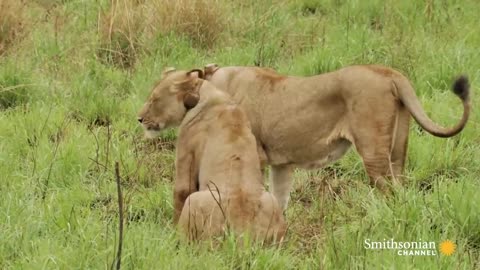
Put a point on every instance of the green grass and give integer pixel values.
(68, 114)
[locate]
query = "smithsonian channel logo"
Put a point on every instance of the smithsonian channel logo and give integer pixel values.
(415, 248)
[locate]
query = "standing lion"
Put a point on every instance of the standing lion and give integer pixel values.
(312, 121)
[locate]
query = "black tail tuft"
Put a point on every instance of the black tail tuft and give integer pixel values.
(461, 87)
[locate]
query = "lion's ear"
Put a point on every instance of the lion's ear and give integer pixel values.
(195, 73)
(190, 83)
(190, 100)
(167, 71)
(210, 69)
(184, 86)
(185, 90)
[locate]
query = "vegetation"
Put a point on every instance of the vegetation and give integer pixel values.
(73, 75)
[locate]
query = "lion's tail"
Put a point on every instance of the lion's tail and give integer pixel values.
(461, 88)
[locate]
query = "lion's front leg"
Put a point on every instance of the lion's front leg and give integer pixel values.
(281, 181)
(186, 181)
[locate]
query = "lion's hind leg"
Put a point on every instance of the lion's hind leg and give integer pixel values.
(375, 139)
(269, 224)
(201, 216)
(384, 157)
(400, 144)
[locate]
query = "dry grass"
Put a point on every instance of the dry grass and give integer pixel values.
(121, 28)
(128, 24)
(11, 23)
(200, 20)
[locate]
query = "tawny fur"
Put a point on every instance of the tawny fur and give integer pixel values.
(312, 121)
(218, 183)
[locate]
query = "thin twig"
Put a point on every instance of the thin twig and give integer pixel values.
(47, 180)
(120, 221)
(219, 203)
(109, 136)
(104, 166)
(219, 200)
(97, 149)
(40, 135)
(55, 151)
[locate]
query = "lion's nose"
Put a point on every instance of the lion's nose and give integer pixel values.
(140, 119)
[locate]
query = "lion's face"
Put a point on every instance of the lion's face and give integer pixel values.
(169, 101)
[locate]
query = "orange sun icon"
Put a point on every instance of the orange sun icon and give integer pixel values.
(447, 247)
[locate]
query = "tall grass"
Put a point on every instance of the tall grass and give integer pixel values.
(127, 23)
(71, 85)
(12, 23)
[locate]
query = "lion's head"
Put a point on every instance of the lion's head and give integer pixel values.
(170, 99)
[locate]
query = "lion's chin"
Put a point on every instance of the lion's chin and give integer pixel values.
(152, 134)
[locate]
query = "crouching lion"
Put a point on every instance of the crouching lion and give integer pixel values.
(218, 181)
(312, 121)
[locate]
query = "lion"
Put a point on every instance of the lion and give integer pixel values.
(309, 122)
(218, 184)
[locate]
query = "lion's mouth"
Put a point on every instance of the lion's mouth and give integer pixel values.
(155, 128)
(153, 131)
(152, 134)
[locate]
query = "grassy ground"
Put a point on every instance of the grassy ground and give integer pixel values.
(73, 75)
